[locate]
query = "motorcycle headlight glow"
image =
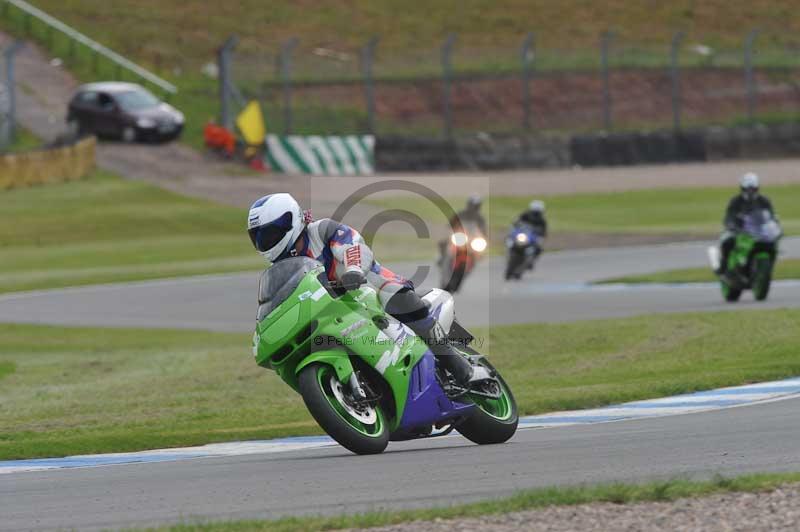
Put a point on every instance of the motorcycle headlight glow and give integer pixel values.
(522, 238)
(459, 239)
(478, 244)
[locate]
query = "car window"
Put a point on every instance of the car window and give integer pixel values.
(87, 98)
(105, 101)
(138, 99)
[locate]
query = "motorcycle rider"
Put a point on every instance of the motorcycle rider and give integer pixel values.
(534, 216)
(748, 200)
(279, 229)
(470, 213)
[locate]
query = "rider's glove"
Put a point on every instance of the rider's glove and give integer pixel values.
(353, 279)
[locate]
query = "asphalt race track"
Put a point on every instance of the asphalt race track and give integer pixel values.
(556, 291)
(423, 473)
(756, 438)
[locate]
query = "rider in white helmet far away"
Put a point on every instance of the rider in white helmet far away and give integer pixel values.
(748, 199)
(279, 229)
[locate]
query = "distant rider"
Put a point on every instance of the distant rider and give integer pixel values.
(534, 217)
(471, 213)
(749, 199)
(279, 229)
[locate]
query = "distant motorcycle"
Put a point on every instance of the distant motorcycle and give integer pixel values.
(463, 249)
(522, 245)
(752, 260)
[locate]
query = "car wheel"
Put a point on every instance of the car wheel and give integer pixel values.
(128, 134)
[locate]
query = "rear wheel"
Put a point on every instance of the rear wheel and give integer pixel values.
(493, 420)
(730, 293)
(361, 428)
(762, 278)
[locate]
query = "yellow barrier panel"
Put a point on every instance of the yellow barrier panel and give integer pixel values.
(38, 167)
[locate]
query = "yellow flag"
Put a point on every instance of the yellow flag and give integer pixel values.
(251, 123)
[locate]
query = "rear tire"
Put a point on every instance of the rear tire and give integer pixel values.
(314, 383)
(493, 420)
(762, 278)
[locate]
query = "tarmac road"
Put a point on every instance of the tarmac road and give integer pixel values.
(556, 291)
(442, 471)
(758, 438)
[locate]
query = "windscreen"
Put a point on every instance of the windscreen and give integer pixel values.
(279, 281)
(760, 224)
(135, 100)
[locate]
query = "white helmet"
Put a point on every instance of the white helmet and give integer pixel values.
(536, 206)
(274, 224)
(749, 184)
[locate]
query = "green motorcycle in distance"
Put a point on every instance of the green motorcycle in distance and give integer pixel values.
(365, 377)
(752, 260)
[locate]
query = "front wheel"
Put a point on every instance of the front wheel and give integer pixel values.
(730, 293)
(762, 278)
(360, 428)
(493, 420)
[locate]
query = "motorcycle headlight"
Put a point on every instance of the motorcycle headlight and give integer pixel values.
(478, 244)
(459, 239)
(522, 238)
(146, 122)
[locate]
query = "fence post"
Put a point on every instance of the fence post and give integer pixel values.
(605, 44)
(11, 116)
(447, 74)
(675, 75)
(224, 58)
(528, 56)
(749, 77)
(367, 61)
(285, 71)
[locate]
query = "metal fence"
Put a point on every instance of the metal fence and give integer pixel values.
(8, 103)
(463, 89)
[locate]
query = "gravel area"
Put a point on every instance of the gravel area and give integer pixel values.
(774, 510)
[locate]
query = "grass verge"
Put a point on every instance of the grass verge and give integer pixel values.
(784, 269)
(105, 229)
(81, 390)
(617, 493)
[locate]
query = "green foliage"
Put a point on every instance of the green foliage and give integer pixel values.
(105, 229)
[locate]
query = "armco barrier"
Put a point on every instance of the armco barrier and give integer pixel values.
(51, 165)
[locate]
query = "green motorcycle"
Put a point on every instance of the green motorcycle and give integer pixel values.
(365, 377)
(752, 260)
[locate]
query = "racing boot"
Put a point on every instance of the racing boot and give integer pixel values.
(457, 364)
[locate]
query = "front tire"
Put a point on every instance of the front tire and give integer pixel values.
(730, 293)
(362, 430)
(763, 278)
(493, 420)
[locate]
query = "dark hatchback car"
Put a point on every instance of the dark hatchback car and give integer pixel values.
(124, 111)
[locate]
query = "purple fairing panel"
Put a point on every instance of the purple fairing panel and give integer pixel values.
(427, 403)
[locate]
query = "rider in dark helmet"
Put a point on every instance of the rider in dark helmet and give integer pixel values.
(748, 199)
(470, 213)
